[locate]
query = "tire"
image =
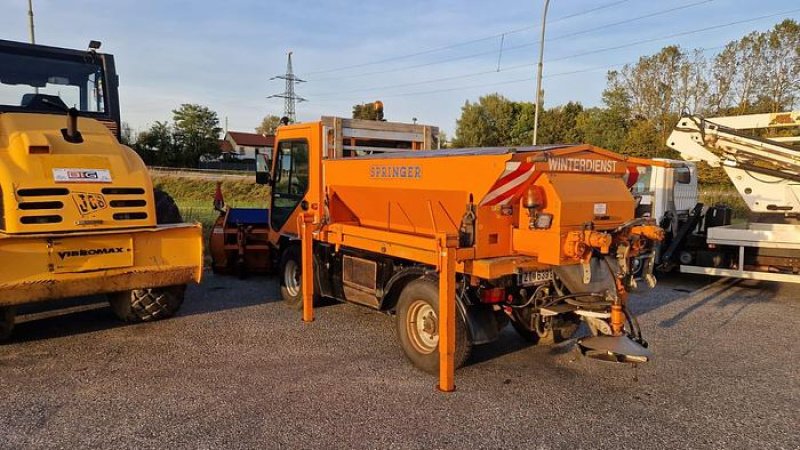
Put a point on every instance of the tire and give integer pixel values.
(291, 271)
(146, 305)
(167, 211)
(420, 300)
(7, 315)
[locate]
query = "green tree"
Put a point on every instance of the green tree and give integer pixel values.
(156, 145)
(196, 133)
(559, 125)
(268, 125)
(489, 122)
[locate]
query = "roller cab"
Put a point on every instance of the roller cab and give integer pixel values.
(78, 211)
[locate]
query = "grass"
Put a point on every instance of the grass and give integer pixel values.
(195, 196)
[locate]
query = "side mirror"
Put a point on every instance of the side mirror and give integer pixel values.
(263, 178)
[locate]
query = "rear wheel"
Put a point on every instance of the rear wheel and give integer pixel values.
(7, 315)
(167, 211)
(418, 326)
(145, 305)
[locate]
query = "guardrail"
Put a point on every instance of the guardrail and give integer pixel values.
(206, 174)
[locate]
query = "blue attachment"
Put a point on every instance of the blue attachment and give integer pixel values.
(248, 216)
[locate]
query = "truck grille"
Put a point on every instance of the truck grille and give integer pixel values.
(123, 191)
(42, 192)
(127, 202)
(32, 202)
(27, 206)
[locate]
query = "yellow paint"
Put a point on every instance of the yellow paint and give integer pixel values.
(163, 256)
(78, 239)
(100, 150)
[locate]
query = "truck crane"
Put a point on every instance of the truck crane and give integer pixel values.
(766, 173)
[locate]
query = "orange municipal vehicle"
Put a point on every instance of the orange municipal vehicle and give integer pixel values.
(457, 243)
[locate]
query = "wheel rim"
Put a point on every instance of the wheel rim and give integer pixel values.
(422, 327)
(291, 277)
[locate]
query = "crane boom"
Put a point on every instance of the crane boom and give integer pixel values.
(765, 171)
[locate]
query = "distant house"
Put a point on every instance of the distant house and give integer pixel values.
(240, 145)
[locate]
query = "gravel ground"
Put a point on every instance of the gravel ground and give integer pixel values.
(238, 369)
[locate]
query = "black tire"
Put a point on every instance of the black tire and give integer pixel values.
(7, 315)
(167, 211)
(291, 272)
(420, 298)
(146, 305)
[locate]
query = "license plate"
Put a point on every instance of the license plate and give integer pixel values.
(85, 254)
(534, 277)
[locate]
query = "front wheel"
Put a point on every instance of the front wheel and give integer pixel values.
(7, 315)
(291, 277)
(145, 305)
(418, 327)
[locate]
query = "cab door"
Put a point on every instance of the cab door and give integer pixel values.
(290, 182)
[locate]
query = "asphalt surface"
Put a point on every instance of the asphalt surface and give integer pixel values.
(238, 369)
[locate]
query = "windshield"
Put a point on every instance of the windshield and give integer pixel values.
(51, 84)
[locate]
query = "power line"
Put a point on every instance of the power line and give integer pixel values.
(464, 43)
(514, 81)
(633, 19)
(674, 35)
(575, 55)
(516, 47)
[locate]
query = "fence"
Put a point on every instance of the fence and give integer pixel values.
(246, 165)
(205, 174)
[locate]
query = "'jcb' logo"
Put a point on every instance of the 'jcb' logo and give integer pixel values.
(88, 203)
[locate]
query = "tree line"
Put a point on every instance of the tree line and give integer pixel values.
(193, 134)
(643, 101)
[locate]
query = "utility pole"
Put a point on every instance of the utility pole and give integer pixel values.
(30, 21)
(539, 75)
(290, 98)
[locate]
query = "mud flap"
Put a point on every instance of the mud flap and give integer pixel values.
(482, 323)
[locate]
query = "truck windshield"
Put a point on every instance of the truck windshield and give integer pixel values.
(40, 83)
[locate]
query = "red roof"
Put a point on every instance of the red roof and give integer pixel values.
(251, 139)
(225, 146)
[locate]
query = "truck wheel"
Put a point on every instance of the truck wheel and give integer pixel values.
(291, 271)
(167, 211)
(7, 315)
(145, 305)
(418, 326)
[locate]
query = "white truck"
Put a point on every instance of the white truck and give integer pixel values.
(765, 172)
